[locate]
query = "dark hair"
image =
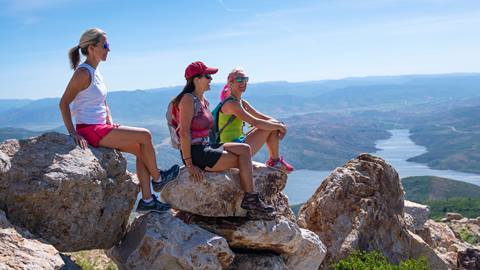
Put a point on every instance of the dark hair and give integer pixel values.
(188, 88)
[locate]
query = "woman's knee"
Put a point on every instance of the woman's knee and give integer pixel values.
(145, 135)
(245, 150)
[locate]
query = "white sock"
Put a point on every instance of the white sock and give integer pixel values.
(148, 201)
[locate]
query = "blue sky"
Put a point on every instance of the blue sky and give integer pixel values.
(153, 41)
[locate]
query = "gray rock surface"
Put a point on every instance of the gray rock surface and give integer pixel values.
(220, 195)
(75, 199)
(361, 206)
(253, 261)
(416, 215)
(162, 241)
(19, 249)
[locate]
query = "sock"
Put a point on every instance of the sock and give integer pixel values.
(148, 201)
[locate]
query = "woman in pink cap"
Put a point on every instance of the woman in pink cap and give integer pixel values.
(87, 93)
(236, 111)
(195, 121)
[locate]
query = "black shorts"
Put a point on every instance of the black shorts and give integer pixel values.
(206, 155)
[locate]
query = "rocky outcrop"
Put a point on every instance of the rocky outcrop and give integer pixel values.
(19, 249)
(300, 248)
(254, 261)
(161, 241)
(469, 259)
(75, 199)
(415, 215)
(220, 194)
(361, 206)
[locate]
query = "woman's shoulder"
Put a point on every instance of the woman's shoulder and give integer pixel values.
(81, 76)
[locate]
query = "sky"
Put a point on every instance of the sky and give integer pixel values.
(273, 40)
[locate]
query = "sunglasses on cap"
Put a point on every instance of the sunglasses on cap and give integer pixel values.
(241, 79)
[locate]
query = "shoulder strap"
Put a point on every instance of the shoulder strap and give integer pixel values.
(196, 103)
(231, 118)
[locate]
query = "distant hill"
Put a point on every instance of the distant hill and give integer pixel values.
(428, 188)
(16, 133)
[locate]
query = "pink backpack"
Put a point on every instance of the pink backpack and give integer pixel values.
(172, 120)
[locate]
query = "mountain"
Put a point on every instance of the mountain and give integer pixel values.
(428, 188)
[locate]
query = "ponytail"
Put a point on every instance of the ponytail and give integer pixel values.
(74, 56)
(189, 88)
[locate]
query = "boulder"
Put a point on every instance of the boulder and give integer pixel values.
(220, 194)
(361, 206)
(255, 261)
(469, 259)
(162, 241)
(19, 249)
(75, 199)
(300, 248)
(453, 216)
(416, 215)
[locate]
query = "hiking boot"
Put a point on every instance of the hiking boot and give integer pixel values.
(154, 206)
(280, 164)
(256, 208)
(166, 177)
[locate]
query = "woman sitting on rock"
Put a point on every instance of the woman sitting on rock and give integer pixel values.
(236, 111)
(195, 121)
(94, 125)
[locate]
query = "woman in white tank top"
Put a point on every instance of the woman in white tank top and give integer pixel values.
(87, 92)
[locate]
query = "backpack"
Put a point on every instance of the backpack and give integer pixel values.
(214, 134)
(172, 120)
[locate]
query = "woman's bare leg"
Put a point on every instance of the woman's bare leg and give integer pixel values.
(258, 137)
(142, 171)
(122, 137)
(237, 155)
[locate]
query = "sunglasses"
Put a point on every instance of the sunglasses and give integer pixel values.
(106, 46)
(208, 76)
(240, 79)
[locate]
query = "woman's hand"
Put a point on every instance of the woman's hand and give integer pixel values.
(79, 140)
(282, 128)
(195, 173)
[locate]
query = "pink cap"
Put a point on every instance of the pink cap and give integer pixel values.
(198, 68)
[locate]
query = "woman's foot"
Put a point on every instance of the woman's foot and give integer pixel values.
(166, 177)
(154, 205)
(256, 207)
(280, 164)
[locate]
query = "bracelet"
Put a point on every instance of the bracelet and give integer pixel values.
(189, 166)
(186, 158)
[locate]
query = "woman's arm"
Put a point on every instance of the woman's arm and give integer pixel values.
(186, 110)
(109, 115)
(234, 108)
(79, 81)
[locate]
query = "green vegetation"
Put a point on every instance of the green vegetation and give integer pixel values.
(93, 260)
(467, 207)
(468, 236)
(361, 260)
(428, 188)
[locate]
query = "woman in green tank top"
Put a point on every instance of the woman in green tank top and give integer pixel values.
(266, 129)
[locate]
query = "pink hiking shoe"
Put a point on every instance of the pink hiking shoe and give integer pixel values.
(280, 164)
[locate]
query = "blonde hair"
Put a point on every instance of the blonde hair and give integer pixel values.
(234, 72)
(89, 37)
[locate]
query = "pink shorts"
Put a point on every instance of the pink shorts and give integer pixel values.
(94, 133)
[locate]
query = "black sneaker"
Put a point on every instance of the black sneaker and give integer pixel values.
(256, 208)
(165, 178)
(154, 206)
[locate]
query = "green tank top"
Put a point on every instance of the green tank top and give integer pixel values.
(233, 131)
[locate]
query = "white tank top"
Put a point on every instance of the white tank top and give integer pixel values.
(89, 105)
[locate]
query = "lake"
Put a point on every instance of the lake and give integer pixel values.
(395, 150)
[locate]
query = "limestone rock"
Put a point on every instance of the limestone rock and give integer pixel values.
(453, 216)
(220, 195)
(309, 254)
(361, 206)
(19, 249)
(418, 213)
(253, 261)
(75, 199)
(300, 248)
(161, 241)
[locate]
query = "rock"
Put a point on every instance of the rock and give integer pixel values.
(75, 199)
(453, 216)
(19, 249)
(361, 206)
(469, 259)
(300, 248)
(440, 235)
(418, 213)
(309, 254)
(220, 194)
(161, 241)
(253, 261)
